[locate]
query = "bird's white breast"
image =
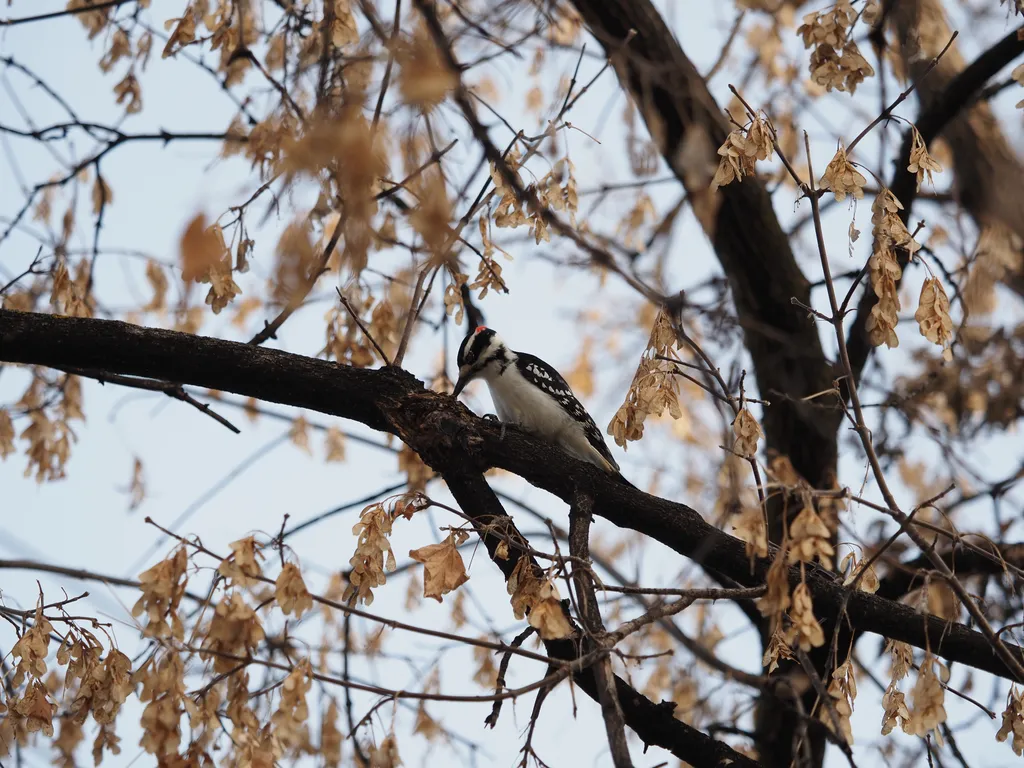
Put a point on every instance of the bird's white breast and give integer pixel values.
(517, 401)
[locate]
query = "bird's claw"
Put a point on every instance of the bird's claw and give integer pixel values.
(492, 417)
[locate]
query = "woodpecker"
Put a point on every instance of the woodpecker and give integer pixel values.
(531, 394)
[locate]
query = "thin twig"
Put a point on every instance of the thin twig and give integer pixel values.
(580, 517)
(492, 719)
(901, 98)
(79, 573)
(410, 320)
(698, 593)
(366, 332)
(102, 5)
(723, 54)
(298, 296)
(176, 391)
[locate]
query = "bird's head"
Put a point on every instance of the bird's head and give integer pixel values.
(480, 351)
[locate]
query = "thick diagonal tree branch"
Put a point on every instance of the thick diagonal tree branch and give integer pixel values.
(765, 281)
(753, 250)
(446, 434)
(941, 110)
(986, 164)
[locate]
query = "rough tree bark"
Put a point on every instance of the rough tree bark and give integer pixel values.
(988, 172)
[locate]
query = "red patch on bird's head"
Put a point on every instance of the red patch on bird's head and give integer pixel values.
(480, 328)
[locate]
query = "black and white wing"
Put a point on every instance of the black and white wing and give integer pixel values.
(547, 379)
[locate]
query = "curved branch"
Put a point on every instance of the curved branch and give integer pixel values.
(688, 126)
(450, 439)
(987, 558)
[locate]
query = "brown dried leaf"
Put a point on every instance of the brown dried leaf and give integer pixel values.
(6, 434)
(184, 33)
(31, 649)
(810, 538)
(777, 649)
(334, 445)
(921, 163)
(424, 78)
(234, 631)
(805, 631)
(539, 599)
(120, 47)
(453, 294)
(291, 593)
(1013, 719)
(895, 710)
(868, 582)
(345, 30)
(749, 525)
(385, 755)
(201, 248)
(37, 708)
(747, 432)
(842, 178)
(242, 566)
(368, 563)
(292, 712)
(417, 473)
(129, 90)
(433, 214)
(928, 696)
(330, 737)
(162, 587)
(101, 195)
(547, 614)
(777, 598)
(157, 279)
(94, 21)
(486, 675)
(443, 568)
(299, 435)
(933, 316)
(842, 688)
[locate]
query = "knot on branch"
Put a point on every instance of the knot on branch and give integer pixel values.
(440, 429)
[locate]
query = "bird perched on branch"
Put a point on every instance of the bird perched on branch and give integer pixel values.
(531, 394)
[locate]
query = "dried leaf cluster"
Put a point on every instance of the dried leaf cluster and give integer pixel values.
(836, 61)
(654, 388)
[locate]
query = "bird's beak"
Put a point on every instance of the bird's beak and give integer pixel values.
(465, 376)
